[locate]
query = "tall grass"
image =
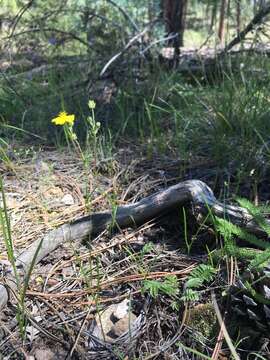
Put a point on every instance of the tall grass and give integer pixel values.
(21, 282)
(225, 120)
(223, 117)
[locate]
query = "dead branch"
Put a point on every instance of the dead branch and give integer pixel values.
(258, 18)
(169, 37)
(68, 34)
(126, 15)
(20, 15)
(120, 53)
(194, 191)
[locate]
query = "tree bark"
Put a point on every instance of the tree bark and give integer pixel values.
(222, 21)
(213, 16)
(174, 16)
(238, 17)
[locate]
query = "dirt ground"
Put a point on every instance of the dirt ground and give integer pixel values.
(47, 188)
(71, 289)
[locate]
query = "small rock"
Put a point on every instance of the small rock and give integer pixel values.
(43, 354)
(121, 309)
(123, 325)
(68, 200)
(114, 322)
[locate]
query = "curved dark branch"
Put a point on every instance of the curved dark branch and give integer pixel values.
(191, 191)
(258, 19)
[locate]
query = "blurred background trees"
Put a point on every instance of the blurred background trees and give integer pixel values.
(67, 51)
(105, 26)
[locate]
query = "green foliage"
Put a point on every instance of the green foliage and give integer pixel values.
(93, 127)
(230, 231)
(199, 276)
(190, 295)
(203, 116)
(260, 260)
(169, 286)
(8, 241)
(257, 213)
(6, 230)
(147, 248)
(4, 157)
(202, 272)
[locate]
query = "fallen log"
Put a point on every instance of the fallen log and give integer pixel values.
(195, 192)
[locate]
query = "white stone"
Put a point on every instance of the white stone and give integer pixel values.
(67, 199)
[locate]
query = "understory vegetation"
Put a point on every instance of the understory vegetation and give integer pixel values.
(101, 105)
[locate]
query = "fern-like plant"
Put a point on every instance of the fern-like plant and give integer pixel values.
(169, 286)
(202, 274)
(230, 232)
(256, 258)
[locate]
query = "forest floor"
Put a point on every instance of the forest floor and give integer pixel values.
(47, 188)
(139, 273)
(79, 285)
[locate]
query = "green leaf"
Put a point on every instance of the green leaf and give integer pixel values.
(190, 295)
(229, 230)
(168, 286)
(194, 283)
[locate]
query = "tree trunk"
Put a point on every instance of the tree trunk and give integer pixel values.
(254, 7)
(174, 16)
(222, 21)
(213, 16)
(261, 4)
(238, 17)
(183, 16)
(228, 14)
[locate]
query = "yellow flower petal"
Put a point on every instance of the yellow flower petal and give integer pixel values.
(70, 119)
(63, 118)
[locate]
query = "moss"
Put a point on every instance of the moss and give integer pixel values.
(202, 318)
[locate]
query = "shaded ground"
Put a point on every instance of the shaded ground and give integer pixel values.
(77, 281)
(48, 189)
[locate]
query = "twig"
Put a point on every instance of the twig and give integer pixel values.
(172, 36)
(120, 53)
(134, 25)
(231, 275)
(19, 16)
(79, 333)
(258, 18)
(67, 33)
(223, 328)
(120, 280)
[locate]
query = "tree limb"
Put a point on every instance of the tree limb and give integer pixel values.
(258, 18)
(194, 191)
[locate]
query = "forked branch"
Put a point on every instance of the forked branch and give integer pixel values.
(191, 191)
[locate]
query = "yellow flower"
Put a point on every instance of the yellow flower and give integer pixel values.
(91, 104)
(63, 118)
